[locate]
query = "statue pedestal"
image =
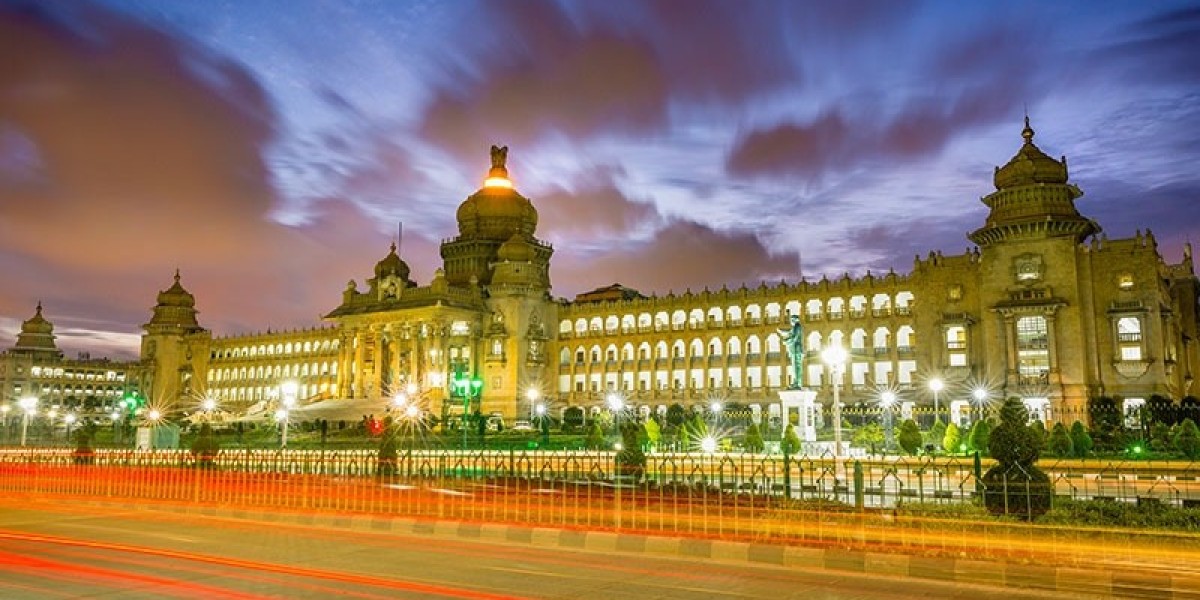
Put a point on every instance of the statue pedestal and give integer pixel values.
(800, 401)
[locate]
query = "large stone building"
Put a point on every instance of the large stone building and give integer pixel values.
(1045, 307)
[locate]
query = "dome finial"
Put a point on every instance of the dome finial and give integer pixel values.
(1027, 133)
(498, 174)
(39, 308)
(176, 274)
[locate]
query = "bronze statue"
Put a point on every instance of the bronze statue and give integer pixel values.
(794, 339)
(499, 156)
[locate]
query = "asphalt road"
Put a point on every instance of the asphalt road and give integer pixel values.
(55, 550)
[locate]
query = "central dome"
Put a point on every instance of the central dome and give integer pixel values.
(496, 212)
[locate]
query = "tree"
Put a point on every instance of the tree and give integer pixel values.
(791, 442)
(981, 434)
(1187, 439)
(868, 436)
(952, 440)
(1107, 427)
(653, 433)
(389, 452)
(1081, 441)
(595, 437)
(83, 454)
(1039, 431)
(909, 437)
(753, 440)
(1160, 437)
(1060, 442)
(604, 419)
(698, 427)
(205, 448)
(631, 460)
(937, 433)
(1014, 486)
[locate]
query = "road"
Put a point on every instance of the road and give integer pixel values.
(55, 550)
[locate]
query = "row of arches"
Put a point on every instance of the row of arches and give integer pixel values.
(276, 372)
(880, 339)
(278, 349)
(736, 316)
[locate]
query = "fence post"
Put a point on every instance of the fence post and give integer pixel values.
(787, 471)
(978, 476)
(858, 485)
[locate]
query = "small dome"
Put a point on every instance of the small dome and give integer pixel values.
(516, 249)
(392, 265)
(176, 295)
(37, 323)
(37, 337)
(1030, 166)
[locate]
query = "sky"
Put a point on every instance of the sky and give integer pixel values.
(269, 150)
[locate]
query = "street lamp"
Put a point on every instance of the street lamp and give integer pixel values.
(69, 420)
(543, 424)
(287, 391)
(887, 400)
(616, 404)
(28, 405)
(4, 415)
(936, 385)
(835, 357)
(981, 398)
(716, 407)
(531, 395)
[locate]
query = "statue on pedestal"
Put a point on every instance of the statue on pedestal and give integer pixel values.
(794, 340)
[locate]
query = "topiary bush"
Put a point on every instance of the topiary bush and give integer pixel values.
(1081, 440)
(205, 448)
(1015, 486)
(980, 437)
(791, 441)
(753, 440)
(389, 452)
(631, 460)
(909, 437)
(1060, 443)
(952, 440)
(1187, 439)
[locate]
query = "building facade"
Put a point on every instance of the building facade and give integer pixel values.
(1045, 307)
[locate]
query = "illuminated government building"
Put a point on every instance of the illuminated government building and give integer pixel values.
(1044, 307)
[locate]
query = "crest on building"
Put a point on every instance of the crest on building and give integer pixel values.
(1028, 268)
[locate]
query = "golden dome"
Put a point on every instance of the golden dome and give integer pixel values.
(176, 295)
(36, 336)
(497, 211)
(1030, 166)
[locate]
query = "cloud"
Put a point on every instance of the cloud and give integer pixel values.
(1163, 49)
(592, 207)
(682, 255)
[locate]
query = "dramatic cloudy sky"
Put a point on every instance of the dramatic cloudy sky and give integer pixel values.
(268, 149)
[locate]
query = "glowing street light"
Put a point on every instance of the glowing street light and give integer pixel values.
(708, 445)
(936, 385)
(70, 421)
(209, 404)
(835, 357)
(981, 398)
(287, 392)
(887, 400)
(28, 406)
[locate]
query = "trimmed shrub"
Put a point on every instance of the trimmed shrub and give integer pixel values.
(1060, 441)
(595, 437)
(205, 448)
(869, 436)
(791, 441)
(753, 440)
(631, 461)
(1014, 486)
(909, 437)
(1081, 440)
(936, 434)
(980, 437)
(1187, 439)
(952, 440)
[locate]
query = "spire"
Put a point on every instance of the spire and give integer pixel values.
(1027, 133)
(176, 274)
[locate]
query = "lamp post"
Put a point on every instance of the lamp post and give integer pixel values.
(616, 404)
(716, 407)
(287, 393)
(531, 395)
(4, 415)
(70, 421)
(887, 400)
(981, 397)
(468, 388)
(835, 357)
(936, 385)
(154, 416)
(543, 424)
(28, 405)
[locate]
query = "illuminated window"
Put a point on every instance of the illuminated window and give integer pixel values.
(1033, 354)
(1125, 281)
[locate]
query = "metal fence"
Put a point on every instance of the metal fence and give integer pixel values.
(812, 501)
